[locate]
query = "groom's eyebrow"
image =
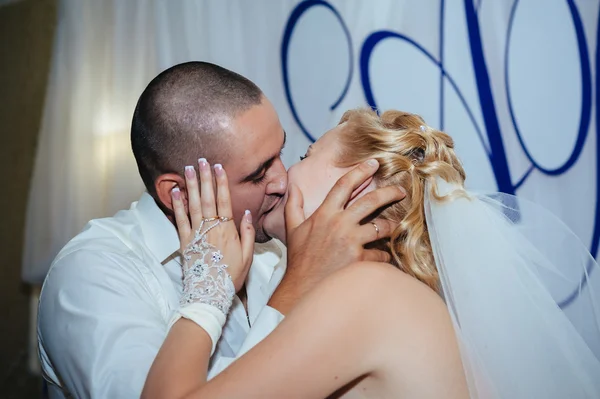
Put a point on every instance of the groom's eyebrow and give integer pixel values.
(265, 165)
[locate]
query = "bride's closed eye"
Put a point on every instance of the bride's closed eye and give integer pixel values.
(308, 151)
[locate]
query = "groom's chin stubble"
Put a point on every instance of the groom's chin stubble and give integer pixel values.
(261, 236)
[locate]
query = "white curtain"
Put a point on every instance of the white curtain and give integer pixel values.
(512, 81)
(84, 167)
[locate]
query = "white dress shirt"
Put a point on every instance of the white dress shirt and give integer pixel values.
(110, 293)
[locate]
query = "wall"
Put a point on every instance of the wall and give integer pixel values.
(26, 33)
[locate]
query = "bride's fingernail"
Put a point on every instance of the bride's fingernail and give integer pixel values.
(176, 193)
(248, 216)
(218, 169)
(190, 173)
(202, 162)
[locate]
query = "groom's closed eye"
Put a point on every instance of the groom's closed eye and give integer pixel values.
(258, 176)
(260, 173)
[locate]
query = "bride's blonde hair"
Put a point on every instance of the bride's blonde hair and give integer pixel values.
(410, 153)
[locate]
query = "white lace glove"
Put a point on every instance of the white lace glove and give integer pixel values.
(208, 289)
(205, 278)
(209, 284)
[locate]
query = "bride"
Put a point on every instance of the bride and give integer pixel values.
(468, 306)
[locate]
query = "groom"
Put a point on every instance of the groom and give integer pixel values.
(110, 292)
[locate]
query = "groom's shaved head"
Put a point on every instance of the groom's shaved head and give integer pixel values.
(184, 114)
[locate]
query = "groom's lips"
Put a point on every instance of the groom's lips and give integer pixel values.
(281, 201)
(273, 206)
(275, 203)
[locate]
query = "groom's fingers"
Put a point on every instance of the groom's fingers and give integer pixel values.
(376, 230)
(376, 255)
(342, 191)
(294, 209)
(365, 206)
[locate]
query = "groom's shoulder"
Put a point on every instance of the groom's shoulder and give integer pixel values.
(112, 242)
(111, 235)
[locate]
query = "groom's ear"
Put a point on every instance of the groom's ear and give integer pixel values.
(164, 184)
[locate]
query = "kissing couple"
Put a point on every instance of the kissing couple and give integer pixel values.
(400, 283)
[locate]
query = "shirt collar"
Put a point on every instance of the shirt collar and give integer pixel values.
(160, 235)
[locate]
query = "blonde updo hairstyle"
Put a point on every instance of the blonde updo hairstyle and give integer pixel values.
(409, 153)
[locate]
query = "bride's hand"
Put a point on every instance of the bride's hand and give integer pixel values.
(205, 211)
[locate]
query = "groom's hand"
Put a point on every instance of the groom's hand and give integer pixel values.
(332, 237)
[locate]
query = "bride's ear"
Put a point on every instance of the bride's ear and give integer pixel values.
(366, 187)
(164, 184)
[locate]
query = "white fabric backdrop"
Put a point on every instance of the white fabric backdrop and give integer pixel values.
(512, 81)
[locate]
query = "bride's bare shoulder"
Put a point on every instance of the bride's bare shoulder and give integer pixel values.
(381, 289)
(383, 281)
(395, 326)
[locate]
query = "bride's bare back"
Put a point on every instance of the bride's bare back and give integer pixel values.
(368, 331)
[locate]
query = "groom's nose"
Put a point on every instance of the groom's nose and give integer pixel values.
(278, 182)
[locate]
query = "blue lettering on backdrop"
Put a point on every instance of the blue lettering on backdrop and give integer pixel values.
(287, 36)
(496, 151)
